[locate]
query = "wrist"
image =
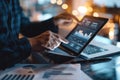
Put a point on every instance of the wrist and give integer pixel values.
(35, 46)
(55, 21)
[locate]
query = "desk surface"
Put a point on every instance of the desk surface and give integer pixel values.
(105, 70)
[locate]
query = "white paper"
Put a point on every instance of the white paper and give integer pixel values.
(52, 72)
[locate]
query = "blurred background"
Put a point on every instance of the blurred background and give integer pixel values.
(39, 10)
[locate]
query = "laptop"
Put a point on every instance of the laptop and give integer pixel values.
(79, 39)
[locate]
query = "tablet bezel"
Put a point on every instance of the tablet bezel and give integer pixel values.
(91, 17)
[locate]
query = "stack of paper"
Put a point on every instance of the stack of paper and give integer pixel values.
(44, 72)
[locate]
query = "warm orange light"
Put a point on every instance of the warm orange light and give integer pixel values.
(90, 9)
(53, 1)
(82, 9)
(111, 31)
(59, 2)
(95, 14)
(111, 34)
(75, 12)
(64, 6)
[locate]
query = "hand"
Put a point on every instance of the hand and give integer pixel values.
(64, 19)
(47, 40)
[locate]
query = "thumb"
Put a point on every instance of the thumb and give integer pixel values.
(62, 39)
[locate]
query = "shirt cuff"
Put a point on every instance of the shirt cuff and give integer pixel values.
(25, 47)
(52, 26)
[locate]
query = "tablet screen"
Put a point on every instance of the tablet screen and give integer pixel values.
(82, 34)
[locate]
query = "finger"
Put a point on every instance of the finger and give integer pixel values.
(64, 40)
(52, 44)
(67, 22)
(51, 47)
(61, 39)
(55, 42)
(68, 16)
(47, 46)
(64, 21)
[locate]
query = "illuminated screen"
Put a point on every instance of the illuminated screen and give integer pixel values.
(83, 33)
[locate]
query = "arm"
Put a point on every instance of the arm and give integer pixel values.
(36, 28)
(12, 54)
(11, 50)
(31, 29)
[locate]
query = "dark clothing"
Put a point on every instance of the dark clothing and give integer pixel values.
(13, 22)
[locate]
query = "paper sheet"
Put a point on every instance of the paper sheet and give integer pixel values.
(47, 72)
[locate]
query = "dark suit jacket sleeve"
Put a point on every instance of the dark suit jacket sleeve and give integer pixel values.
(11, 54)
(31, 29)
(14, 54)
(12, 50)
